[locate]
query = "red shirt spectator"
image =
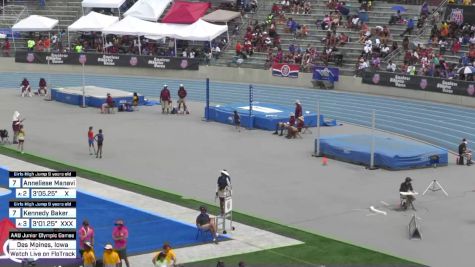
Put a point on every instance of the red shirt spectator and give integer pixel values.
(25, 83)
(298, 109)
(292, 120)
(238, 48)
(165, 94)
(110, 100)
(182, 92)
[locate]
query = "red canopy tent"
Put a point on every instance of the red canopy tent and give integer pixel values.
(5, 226)
(186, 12)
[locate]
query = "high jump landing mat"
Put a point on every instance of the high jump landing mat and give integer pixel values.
(95, 96)
(389, 152)
(264, 115)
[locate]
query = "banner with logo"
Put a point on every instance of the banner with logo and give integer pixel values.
(322, 73)
(431, 84)
(285, 70)
(460, 14)
(108, 60)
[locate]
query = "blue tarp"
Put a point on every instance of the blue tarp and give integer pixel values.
(390, 152)
(264, 115)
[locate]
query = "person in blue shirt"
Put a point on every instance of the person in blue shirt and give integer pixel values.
(100, 140)
(409, 27)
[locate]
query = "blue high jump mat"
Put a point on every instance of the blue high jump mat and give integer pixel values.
(264, 115)
(147, 231)
(94, 96)
(389, 152)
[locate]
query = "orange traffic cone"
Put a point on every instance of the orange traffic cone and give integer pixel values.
(324, 161)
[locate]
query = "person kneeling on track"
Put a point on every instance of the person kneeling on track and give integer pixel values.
(204, 222)
(42, 87)
(25, 86)
(284, 125)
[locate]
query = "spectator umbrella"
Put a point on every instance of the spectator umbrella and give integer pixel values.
(467, 70)
(399, 8)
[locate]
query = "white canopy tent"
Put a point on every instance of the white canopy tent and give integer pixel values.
(201, 31)
(92, 22)
(134, 26)
(148, 9)
(34, 23)
(102, 4)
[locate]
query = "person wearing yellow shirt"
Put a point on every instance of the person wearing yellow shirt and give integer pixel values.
(88, 257)
(110, 257)
(166, 256)
(467, 2)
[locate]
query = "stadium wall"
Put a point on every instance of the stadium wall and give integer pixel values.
(242, 75)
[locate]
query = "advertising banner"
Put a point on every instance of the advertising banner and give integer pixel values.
(108, 60)
(460, 14)
(431, 84)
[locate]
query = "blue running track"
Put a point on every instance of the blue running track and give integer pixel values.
(439, 124)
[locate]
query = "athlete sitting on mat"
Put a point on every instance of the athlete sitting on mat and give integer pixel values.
(108, 104)
(284, 125)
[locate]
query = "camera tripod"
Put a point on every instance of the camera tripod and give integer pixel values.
(435, 186)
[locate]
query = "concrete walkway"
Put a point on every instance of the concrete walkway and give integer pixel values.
(244, 239)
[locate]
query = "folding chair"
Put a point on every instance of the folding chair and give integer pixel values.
(201, 233)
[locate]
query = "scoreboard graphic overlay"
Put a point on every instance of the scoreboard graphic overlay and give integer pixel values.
(44, 213)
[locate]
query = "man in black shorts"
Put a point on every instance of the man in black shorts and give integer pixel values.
(100, 140)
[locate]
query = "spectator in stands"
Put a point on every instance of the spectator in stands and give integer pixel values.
(283, 125)
(108, 104)
(42, 87)
(396, 18)
(25, 87)
(405, 43)
(391, 67)
(253, 6)
(376, 62)
(409, 27)
(204, 222)
(31, 44)
(6, 48)
(425, 9)
(307, 8)
(181, 99)
(385, 50)
(165, 99)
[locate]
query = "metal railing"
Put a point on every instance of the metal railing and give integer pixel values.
(13, 12)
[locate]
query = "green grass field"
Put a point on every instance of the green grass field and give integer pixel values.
(317, 250)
